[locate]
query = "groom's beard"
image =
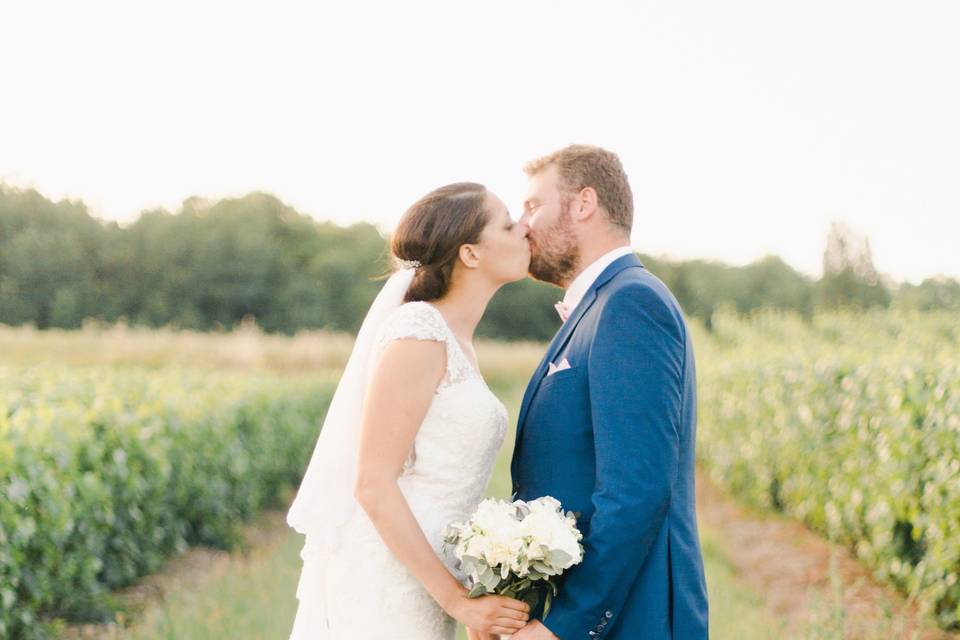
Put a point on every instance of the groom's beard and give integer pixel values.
(554, 254)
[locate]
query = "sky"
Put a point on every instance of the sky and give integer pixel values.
(746, 126)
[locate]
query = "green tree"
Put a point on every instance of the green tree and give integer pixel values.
(49, 252)
(931, 294)
(849, 276)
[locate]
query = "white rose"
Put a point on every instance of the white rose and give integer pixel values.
(494, 515)
(548, 528)
(546, 503)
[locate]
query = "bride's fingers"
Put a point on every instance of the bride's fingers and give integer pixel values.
(516, 605)
(511, 603)
(511, 623)
(514, 614)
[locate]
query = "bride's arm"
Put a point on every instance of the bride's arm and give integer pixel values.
(401, 389)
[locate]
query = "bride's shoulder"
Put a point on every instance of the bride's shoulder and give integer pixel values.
(416, 311)
(417, 319)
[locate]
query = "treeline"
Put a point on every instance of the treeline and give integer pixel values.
(212, 264)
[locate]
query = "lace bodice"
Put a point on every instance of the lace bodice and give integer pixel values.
(464, 427)
(443, 480)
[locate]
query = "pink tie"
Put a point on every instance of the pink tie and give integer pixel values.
(563, 310)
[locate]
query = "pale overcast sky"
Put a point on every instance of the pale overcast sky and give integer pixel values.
(746, 126)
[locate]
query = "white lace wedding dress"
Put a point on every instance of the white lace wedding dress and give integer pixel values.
(361, 591)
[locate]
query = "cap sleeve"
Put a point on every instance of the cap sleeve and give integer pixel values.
(413, 320)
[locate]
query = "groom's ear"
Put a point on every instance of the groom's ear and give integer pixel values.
(469, 257)
(586, 202)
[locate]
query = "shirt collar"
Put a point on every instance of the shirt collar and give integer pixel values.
(581, 284)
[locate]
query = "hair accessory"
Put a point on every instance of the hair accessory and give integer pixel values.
(408, 264)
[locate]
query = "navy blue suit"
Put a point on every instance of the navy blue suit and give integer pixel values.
(612, 438)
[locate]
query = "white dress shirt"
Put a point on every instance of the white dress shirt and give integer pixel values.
(575, 292)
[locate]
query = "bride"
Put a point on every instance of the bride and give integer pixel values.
(409, 441)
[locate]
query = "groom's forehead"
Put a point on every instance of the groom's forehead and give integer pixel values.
(538, 187)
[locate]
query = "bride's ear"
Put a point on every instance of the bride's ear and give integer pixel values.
(469, 256)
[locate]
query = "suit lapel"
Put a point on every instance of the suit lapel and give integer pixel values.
(563, 335)
(553, 348)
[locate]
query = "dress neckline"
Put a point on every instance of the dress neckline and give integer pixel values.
(453, 337)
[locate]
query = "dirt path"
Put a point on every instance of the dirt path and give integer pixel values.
(789, 566)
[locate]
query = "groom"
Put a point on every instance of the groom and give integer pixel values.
(607, 424)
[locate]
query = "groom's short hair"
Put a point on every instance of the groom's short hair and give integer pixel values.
(581, 166)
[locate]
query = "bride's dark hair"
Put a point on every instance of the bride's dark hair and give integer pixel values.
(431, 232)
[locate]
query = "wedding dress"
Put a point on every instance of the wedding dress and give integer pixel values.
(351, 586)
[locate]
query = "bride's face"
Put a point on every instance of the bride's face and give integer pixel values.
(504, 250)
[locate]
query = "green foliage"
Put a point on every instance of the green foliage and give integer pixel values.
(522, 310)
(930, 295)
(703, 287)
(213, 264)
(849, 278)
(108, 471)
(851, 424)
(48, 256)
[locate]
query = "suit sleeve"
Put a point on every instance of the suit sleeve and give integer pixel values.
(635, 379)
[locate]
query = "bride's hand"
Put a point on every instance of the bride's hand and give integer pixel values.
(478, 635)
(491, 614)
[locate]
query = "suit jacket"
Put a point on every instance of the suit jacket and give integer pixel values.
(612, 438)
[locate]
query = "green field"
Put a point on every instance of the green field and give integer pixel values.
(252, 597)
(120, 447)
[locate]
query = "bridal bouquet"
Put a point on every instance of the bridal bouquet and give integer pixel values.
(516, 549)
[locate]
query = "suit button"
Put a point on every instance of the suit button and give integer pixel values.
(608, 614)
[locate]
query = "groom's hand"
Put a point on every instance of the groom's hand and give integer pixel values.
(479, 635)
(534, 631)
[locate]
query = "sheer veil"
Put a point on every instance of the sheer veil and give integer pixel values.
(325, 499)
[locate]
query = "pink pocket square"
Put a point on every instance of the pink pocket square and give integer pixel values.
(553, 368)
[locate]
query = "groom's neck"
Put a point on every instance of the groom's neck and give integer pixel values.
(593, 251)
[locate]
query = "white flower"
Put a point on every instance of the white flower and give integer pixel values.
(503, 542)
(494, 515)
(550, 530)
(546, 503)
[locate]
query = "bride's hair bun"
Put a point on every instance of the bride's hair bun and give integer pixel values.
(431, 232)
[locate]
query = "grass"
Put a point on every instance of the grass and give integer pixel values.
(736, 611)
(252, 596)
(244, 596)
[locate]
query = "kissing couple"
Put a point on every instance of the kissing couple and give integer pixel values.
(607, 426)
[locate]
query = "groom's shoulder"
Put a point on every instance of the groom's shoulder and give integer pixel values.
(639, 289)
(637, 282)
